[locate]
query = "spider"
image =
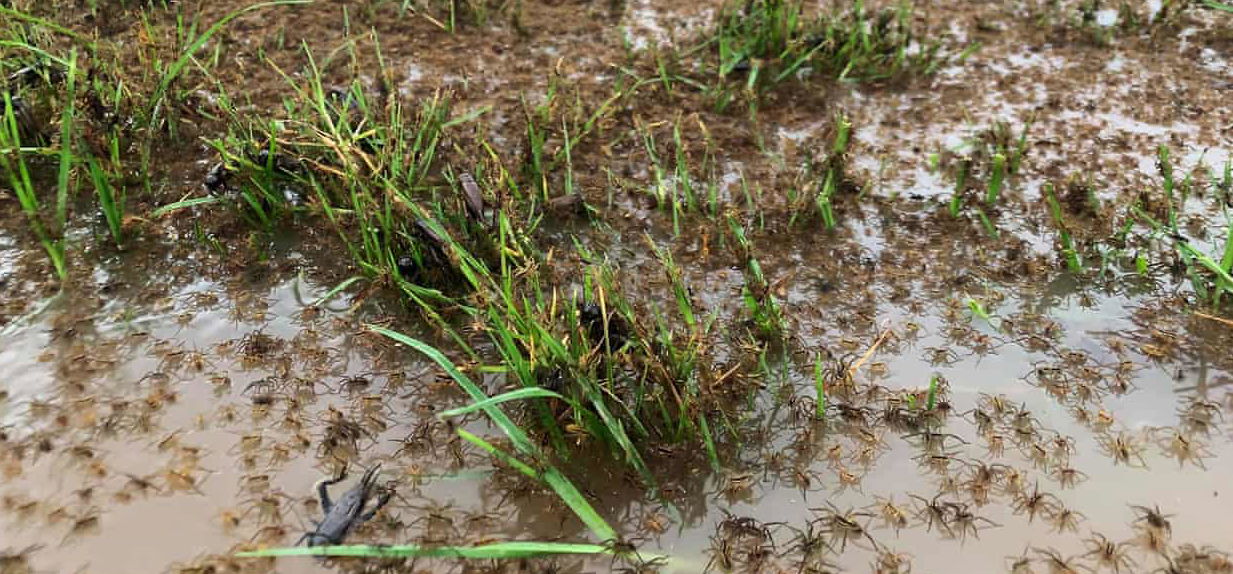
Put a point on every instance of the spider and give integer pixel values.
(1066, 519)
(1036, 503)
(1124, 449)
(888, 562)
(1108, 554)
(843, 526)
(1068, 477)
(963, 518)
(934, 512)
(1153, 518)
(893, 516)
(1185, 449)
(1057, 564)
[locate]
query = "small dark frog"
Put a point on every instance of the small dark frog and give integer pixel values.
(348, 511)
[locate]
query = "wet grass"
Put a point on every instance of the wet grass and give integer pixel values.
(490, 239)
(761, 43)
(992, 155)
(48, 225)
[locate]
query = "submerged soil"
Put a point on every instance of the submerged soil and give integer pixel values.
(176, 401)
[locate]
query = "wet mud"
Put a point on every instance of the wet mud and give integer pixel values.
(986, 407)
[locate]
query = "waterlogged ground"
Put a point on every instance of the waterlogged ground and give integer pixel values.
(177, 401)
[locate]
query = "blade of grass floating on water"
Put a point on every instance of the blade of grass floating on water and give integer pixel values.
(495, 551)
(553, 477)
(515, 395)
(711, 453)
(338, 289)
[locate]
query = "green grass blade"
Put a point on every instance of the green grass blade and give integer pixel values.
(184, 204)
(338, 289)
(1217, 5)
(498, 550)
(515, 395)
(19, 15)
(66, 144)
(499, 454)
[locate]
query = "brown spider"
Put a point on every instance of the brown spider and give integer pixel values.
(889, 562)
(743, 527)
(1108, 554)
(934, 512)
(965, 521)
(1068, 477)
(1066, 519)
(1154, 520)
(893, 516)
(1057, 564)
(1036, 503)
(1206, 559)
(1124, 449)
(1185, 449)
(843, 526)
(810, 545)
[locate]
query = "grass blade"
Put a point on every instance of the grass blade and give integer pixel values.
(519, 394)
(184, 204)
(496, 550)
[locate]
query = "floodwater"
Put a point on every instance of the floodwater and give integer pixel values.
(171, 404)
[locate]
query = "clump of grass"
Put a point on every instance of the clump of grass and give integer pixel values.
(14, 127)
(1068, 251)
(824, 177)
(994, 155)
(769, 41)
(1210, 276)
(766, 314)
(451, 15)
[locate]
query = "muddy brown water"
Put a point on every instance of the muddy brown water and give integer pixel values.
(170, 406)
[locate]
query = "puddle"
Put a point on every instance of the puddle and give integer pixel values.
(987, 407)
